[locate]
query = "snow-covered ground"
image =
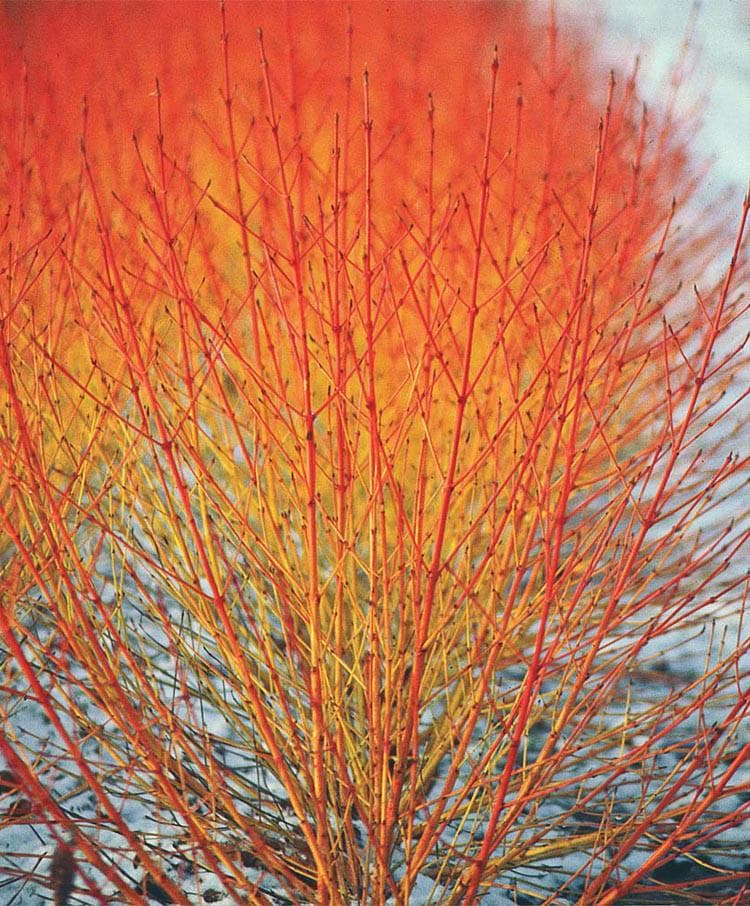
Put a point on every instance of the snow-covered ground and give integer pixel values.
(718, 61)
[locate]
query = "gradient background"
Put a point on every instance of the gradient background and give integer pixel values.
(719, 65)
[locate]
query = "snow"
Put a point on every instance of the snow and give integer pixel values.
(719, 52)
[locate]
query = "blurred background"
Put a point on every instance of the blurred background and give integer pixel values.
(718, 67)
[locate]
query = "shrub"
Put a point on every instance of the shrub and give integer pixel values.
(372, 514)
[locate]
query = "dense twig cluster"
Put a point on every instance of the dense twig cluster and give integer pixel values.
(365, 443)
